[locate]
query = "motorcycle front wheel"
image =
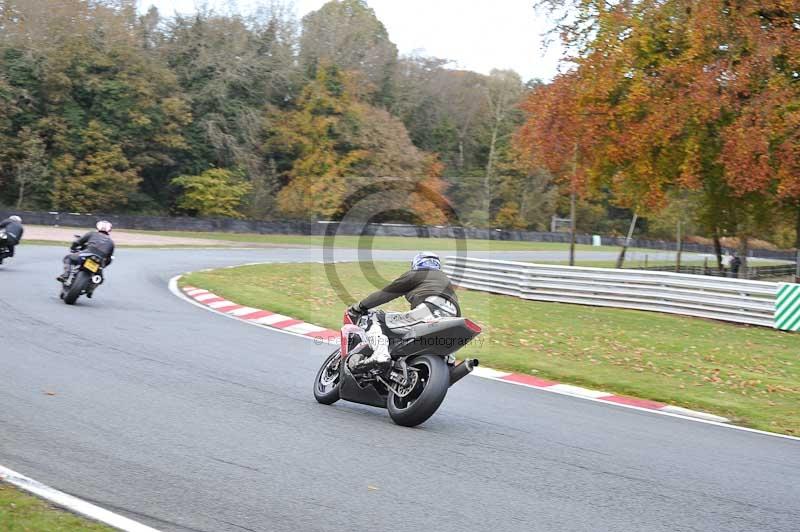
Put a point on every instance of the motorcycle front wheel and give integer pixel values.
(424, 395)
(79, 284)
(326, 385)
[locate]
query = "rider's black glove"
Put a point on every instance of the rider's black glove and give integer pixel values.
(355, 311)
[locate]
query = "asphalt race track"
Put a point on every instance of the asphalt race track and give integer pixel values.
(188, 421)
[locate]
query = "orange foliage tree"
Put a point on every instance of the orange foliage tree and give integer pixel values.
(678, 95)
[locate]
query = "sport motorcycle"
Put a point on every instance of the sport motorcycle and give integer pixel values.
(414, 384)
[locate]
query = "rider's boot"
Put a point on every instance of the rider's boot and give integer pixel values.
(379, 343)
(65, 274)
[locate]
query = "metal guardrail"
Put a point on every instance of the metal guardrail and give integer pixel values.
(752, 272)
(735, 300)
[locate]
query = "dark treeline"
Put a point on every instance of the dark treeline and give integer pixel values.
(105, 109)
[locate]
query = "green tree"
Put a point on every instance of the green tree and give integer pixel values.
(101, 180)
(215, 192)
(74, 62)
(32, 172)
(525, 195)
(346, 33)
(230, 68)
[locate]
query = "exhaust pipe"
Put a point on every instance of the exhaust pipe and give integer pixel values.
(462, 370)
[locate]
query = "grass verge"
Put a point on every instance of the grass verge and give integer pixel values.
(20, 512)
(380, 242)
(67, 243)
(34, 242)
(748, 374)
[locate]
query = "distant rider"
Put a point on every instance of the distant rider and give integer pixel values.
(13, 228)
(426, 288)
(96, 242)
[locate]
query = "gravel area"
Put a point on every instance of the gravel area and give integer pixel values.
(67, 234)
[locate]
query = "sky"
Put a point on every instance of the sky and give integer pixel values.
(478, 35)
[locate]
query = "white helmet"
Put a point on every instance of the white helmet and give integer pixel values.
(426, 261)
(104, 226)
(15, 218)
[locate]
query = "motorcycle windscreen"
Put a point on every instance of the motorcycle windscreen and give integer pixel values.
(440, 338)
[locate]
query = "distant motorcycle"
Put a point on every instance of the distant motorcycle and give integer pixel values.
(414, 386)
(83, 278)
(5, 251)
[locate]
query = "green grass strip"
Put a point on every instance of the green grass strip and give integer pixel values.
(20, 512)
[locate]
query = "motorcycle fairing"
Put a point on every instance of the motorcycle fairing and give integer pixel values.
(349, 390)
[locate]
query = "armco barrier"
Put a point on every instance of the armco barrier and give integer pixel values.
(752, 272)
(735, 300)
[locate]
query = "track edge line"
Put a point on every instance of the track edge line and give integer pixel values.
(72, 503)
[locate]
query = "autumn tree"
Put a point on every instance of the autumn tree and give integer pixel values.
(389, 149)
(308, 144)
(758, 68)
(692, 95)
(332, 143)
(561, 136)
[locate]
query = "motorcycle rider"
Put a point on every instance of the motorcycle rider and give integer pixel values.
(13, 228)
(430, 294)
(96, 242)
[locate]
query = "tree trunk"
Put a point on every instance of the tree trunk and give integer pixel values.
(797, 266)
(744, 247)
(718, 249)
(460, 155)
(487, 180)
(21, 195)
(572, 205)
(572, 229)
(621, 258)
(680, 250)
(797, 228)
(523, 201)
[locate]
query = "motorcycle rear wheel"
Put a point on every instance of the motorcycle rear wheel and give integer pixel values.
(426, 397)
(326, 385)
(79, 284)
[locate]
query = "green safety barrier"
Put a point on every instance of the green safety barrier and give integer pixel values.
(787, 307)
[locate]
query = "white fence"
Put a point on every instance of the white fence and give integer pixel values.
(741, 301)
